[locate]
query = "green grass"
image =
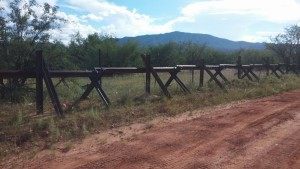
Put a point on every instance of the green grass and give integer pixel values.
(21, 130)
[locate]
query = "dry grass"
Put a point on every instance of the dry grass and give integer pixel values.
(21, 130)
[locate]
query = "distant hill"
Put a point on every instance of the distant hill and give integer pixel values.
(209, 40)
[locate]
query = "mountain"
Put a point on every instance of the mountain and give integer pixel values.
(209, 40)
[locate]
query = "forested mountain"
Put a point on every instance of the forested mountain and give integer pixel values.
(209, 40)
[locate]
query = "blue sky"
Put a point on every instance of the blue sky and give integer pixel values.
(247, 20)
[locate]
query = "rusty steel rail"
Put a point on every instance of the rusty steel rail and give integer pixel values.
(42, 74)
(123, 70)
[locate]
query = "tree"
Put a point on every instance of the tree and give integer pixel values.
(287, 45)
(3, 51)
(75, 49)
(85, 51)
(23, 30)
(58, 56)
(168, 54)
(194, 52)
(129, 54)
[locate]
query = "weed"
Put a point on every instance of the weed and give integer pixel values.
(91, 117)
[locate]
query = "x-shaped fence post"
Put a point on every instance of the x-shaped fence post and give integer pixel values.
(273, 68)
(174, 76)
(252, 73)
(146, 59)
(43, 73)
(214, 78)
(95, 76)
(95, 83)
(62, 80)
(247, 70)
(279, 69)
(276, 68)
(218, 71)
(246, 73)
(291, 68)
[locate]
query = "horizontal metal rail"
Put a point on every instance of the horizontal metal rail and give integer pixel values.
(108, 71)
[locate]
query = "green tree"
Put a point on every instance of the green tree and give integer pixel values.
(168, 54)
(193, 53)
(287, 45)
(85, 51)
(25, 31)
(58, 56)
(252, 56)
(129, 54)
(75, 49)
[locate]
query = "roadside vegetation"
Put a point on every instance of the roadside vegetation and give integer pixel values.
(22, 130)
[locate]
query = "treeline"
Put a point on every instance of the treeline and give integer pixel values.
(23, 31)
(83, 53)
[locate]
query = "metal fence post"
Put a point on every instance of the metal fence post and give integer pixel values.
(201, 79)
(148, 73)
(39, 82)
(99, 64)
(239, 66)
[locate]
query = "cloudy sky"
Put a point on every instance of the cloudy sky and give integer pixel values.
(248, 20)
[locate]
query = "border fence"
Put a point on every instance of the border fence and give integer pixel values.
(43, 75)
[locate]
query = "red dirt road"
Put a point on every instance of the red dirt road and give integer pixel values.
(262, 133)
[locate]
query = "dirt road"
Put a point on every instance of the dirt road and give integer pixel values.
(262, 133)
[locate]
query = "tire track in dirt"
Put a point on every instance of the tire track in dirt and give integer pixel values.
(262, 133)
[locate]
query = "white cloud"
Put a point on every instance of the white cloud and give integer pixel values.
(3, 4)
(92, 17)
(50, 2)
(106, 17)
(248, 20)
(119, 20)
(260, 36)
(72, 26)
(277, 11)
(89, 16)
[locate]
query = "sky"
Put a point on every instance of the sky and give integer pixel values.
(239, 20)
